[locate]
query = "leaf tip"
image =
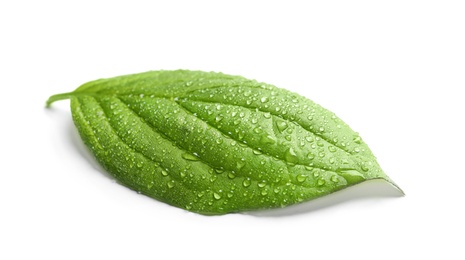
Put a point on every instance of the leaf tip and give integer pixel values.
(402, 193)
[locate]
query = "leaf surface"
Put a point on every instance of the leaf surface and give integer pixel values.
(213, 143)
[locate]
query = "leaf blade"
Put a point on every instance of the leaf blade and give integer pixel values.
(213, 143)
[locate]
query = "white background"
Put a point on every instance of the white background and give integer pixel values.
(393, 70)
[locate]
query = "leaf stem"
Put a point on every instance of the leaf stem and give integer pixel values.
(57, 97)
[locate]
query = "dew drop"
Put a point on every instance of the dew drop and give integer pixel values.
(365, 167)
(261, 184)
(216, 195)
(301, 177)
(291, 156)
(170, 184)
(267, 139)
(332, 149)
(246, 182)
(282, 125)
(240, 135)
(240, 165)
(334, 178)
(267, 115)
(164, 173)
(190, 157)
(321, 182)
(357, 140)
(264, 192)
(264, 99)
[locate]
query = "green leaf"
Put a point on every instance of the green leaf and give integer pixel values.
(213, 143)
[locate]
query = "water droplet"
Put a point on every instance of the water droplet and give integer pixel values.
(309, 139)
(170, 184)
(357, 140)
(334, 178)
(282, 125)
(190, 157)
(261, 184)
(308, 168)
(331, 160)
(288, 137)
(357, 150)
(264, 99)
(216, 195)
(291, 156)
(322, 129)
(246, 182)
(264, 192)
(240, 164)
(241, 135)
(321, 182)
(237, 121)
(257, 130)
(365, 167)
(218, 118)
(332, 149)
(164, 173)
(301, 177)
(231, 175)
(267, 139)
(254, 120)
(219, 141)
(310, 156)
(267, 115)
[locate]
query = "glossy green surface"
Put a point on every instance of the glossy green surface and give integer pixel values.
(213, 143)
